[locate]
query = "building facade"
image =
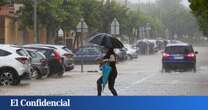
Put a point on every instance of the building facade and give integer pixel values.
(10, 32)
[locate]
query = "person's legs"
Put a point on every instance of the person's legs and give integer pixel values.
(111, 84)
(99, 86)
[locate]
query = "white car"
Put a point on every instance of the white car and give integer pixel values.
(14, 64)
(131, 52)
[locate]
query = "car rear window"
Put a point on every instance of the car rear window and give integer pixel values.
(179, 49)
(4, 53)
(47, 53)
(21, 52)
(33, 54)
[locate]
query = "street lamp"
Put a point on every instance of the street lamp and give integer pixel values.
(148, 29)
(134, 32)
(82, 27)
(35, 21)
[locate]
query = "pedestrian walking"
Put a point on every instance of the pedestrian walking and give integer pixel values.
(109, 58)
(109, 61)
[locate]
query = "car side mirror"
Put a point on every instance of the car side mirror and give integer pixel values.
(196, 52)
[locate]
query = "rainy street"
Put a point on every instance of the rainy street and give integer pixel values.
(141, 76)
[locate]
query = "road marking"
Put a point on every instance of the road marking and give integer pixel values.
(143, 79)
(139, 81)
(175, 82)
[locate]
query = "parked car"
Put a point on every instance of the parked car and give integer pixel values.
(147, 46)
(14, 65)
(54, 59)
(66, 54)
(88, 55)
(39, 64)
(131, 52)
(121, 54)
(179, 56)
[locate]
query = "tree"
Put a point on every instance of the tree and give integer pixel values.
(91, 12)
(2, 2)
(177, 17)
(65, 14)
(200, 10)
(52, 14)
(171, 15)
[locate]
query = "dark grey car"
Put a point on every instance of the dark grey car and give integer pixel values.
(89, 55)
(39, 64)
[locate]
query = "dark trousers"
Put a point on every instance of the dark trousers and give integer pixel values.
(111, 83)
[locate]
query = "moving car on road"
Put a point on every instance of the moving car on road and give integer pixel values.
(179, 56)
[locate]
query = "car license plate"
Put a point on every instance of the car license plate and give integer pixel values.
(178, 57)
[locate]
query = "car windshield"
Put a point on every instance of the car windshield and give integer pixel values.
(179, 49)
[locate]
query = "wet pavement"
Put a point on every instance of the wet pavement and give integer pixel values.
(136, 77)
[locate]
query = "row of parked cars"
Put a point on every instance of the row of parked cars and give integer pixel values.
(33, 61)
(151, 46)
(90, 53)
(36, 61)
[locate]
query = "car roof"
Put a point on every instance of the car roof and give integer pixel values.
(50, 45)
(9, 48)
(36, 47)
(29, 49)
(178, 44)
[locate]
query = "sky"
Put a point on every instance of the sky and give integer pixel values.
(185, 2)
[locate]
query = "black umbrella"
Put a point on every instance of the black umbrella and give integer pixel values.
(106, 40)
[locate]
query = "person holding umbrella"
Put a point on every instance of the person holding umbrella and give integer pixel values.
(109, 58)
(109, 42)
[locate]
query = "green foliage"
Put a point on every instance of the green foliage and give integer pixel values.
(171, 15)
(200, 10)
(55, 14)
(177, 17)
(2, 2)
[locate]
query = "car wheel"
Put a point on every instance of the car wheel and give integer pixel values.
(129, 57)
(9, 77)
(165, 69)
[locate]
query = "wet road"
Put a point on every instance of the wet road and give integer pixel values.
(141, 76)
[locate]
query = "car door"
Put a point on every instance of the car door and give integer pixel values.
(36, 59)
(3, 57)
